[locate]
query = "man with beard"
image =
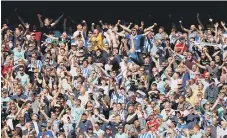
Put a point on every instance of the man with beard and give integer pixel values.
(24, 78)
(99, 57)
(212, 69)
(211, 92)
(208, 133)
(121, 133)
(84, 124)
(132, 115)
(132, 101)
(192, 32)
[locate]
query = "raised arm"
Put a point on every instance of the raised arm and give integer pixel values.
(199, 65)
(216, 103)
(215, 53)
(184, 29)
(146, 33)
(44, 114)
(128, 28)
(123, 27)
(92, 27)
(149, 28)
(61, 114)
(56, 21)
(102, 118)
(64, 25)
(120, 34)
(19, 17)
(155, 61)
(167, 76)
(223, 25)
(216, 32)
(101, 24)
(40, 20)
(208, 56)
(142, 25)
(199, 21)
(52, 37)
(222, 65)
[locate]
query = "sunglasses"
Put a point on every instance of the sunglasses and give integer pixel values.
(21, 70)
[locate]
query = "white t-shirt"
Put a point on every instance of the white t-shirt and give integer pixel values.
(192, 74)
(221, 132)
(173, 83)
(84, 99)
(76, 33)
(99, 132)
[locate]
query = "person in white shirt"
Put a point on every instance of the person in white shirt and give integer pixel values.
(84, 97)
(79, 31)
(222, 130)
(97, 130)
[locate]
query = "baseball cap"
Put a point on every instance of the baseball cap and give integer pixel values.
(120, 126)
(190, 107)
(43, 125)
(108, 127)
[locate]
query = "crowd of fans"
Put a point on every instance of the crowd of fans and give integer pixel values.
(113, 80)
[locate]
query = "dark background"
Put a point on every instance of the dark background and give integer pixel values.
(110, 12)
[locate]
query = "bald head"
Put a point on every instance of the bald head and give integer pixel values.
(82, 90)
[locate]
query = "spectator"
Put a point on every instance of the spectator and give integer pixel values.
(113, 80)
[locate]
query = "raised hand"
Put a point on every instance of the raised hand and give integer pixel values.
(200, 27)
(15, 9)
(118, 22)
(197, 14)
(39, 15)
(222, 23)
(131, 37)
(27, 26)
(216, 25)
(142, 23)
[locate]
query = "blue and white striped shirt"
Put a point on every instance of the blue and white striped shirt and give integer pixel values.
(148, 46)
(86, 72)
(147, 135)
(38, 65)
